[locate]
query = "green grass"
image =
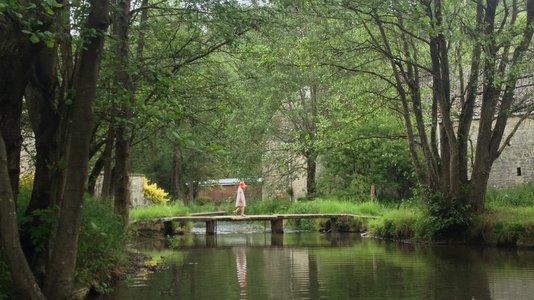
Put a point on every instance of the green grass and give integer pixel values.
(319, 206)
(175, 208)
(518, 196)
(396, 224)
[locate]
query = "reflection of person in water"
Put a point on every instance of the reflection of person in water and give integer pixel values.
(241, 265)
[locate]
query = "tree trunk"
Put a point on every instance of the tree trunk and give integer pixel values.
(311, 168)
(95, 173)
(16, 57)
(124, 85)
(108, 164)
(42, 109)
(60, 277)
(177, 176)
(22, 276)
(10, 114)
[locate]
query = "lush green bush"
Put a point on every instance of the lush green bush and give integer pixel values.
(101, 245)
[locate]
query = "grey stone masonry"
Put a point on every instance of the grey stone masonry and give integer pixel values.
(516, 163)
(137, 197)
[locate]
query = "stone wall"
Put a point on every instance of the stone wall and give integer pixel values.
(137, 197)
(516, 163)
(278, 180)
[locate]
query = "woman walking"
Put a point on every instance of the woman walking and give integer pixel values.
(240, 201)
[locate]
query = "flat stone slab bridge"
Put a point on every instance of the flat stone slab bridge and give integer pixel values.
(277, 221)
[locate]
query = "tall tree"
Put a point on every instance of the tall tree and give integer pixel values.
(21, 273)
(17, 53)
(448, 62)
(125, 94)
(60, 277)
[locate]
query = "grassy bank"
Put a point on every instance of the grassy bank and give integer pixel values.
(507, 221)
(509, 218)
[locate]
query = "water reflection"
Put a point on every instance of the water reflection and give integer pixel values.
(241, 267)
(318, 266)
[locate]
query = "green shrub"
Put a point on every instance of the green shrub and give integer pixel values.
(101, 243)
(443, 218)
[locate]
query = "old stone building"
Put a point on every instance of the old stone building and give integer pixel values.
(516, 163)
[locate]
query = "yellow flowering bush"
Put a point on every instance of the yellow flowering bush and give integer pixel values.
(156, 194)
(26, 181)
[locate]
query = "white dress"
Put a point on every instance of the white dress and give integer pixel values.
(240, 199)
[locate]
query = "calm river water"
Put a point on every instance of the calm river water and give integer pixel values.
(243, 262)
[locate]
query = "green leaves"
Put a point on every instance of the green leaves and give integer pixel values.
(46, 37)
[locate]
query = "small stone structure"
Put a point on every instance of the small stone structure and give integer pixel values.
(137, 197)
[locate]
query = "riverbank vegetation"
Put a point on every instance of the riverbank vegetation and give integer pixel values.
(102, 255)
(507, 221)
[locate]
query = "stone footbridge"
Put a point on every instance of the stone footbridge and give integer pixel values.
(276, 220)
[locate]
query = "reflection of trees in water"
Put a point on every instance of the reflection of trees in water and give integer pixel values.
(150, 242)
(466, 272)
(370, 269)
(459, 274)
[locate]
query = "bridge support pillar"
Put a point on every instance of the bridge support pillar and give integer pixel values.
(168, 228)
(211, 227)
(277, 226)
(277, 239)
(333, 225)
